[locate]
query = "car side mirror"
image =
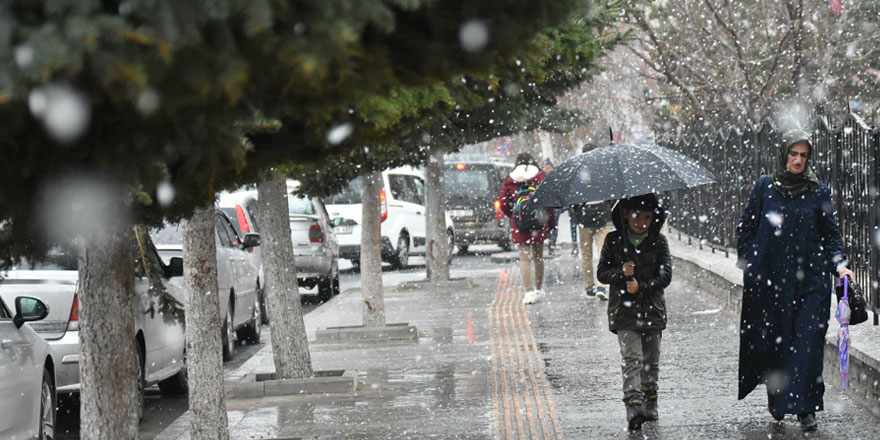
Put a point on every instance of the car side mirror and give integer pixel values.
(251, 240)
(28, 309)
(175, 267)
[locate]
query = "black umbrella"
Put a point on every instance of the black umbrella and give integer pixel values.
(619, 171)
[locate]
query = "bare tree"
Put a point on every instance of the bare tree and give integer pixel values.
(203, 348)
(290, 345)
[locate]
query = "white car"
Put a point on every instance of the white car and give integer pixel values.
(161, 341)
(237, 279)
(402, 202)
(27, 374)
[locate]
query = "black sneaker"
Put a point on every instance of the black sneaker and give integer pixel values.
(808, 422)
(635, 414)
(771, 404)
(589, 292)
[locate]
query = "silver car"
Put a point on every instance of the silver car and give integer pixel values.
(27, 373)
(237, 279)
(161, 341)
(315, 249)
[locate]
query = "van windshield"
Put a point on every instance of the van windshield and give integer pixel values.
(467, 183)
(350, 194)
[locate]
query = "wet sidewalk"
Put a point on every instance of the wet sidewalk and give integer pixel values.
(488, 367)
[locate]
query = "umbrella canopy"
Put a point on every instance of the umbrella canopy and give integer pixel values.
(619, 171)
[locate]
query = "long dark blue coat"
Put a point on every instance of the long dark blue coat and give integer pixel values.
(790, 246)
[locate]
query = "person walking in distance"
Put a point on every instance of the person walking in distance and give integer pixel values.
(518, 187)
(593, 223)
(636, 263)
(554, 232)
(788, 246)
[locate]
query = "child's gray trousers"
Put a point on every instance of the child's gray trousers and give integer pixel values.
(641, 358)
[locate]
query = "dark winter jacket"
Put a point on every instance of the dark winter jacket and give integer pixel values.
(520, 175)
(645, 309)
(592, 215)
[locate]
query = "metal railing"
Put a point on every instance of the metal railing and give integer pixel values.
(845, 157)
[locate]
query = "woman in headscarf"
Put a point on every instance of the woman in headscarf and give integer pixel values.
(788, 245)
(530, 243)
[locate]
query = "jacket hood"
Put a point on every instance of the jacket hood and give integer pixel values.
(649, 201)
(524, 173)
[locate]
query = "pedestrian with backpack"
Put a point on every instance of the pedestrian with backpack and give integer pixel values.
(529, 226)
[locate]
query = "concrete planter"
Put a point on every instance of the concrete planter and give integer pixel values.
(264, 385)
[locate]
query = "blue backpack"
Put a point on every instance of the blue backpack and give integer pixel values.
(526, 216)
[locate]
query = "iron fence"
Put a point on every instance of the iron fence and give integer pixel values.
(846, 157)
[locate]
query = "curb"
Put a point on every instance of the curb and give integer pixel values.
(390, 332)
(265, 385)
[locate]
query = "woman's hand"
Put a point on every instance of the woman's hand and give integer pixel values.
(632, 286)
(843, 271)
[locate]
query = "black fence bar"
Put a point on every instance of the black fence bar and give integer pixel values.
(846, 157)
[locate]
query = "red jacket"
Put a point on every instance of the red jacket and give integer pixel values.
(508, 199)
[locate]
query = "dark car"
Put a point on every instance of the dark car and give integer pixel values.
(472, 190)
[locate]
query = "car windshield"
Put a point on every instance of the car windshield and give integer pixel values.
(297, 205)
(350, 194)
(467, 182)
(55, 259)
(169, 234)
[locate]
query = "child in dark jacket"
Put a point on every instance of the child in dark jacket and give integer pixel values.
(635, 262)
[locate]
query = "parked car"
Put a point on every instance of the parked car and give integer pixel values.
(161, 340)
(237, 278)
(27, 373)
(472, 190)
(315, 245)
(402, 202)
(241, 208)
(315, 249)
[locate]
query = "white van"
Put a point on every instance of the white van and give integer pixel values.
(403, 217)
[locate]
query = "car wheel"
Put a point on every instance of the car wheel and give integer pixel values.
(401, 257)
(177, 384)
(47, 407)
(450, 240)
(141, 393)
(357, 264)
(462, 249)
(505, 246)
(262, 298)
(251, 331)
(336, 284)
(228, 335)
(325, 289)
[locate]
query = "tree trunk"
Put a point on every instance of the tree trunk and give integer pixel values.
(290, 345)
(203, 348)
(435, 220)
(107, 365)
(371, 252)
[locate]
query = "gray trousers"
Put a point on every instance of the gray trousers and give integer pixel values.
(641, 362)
